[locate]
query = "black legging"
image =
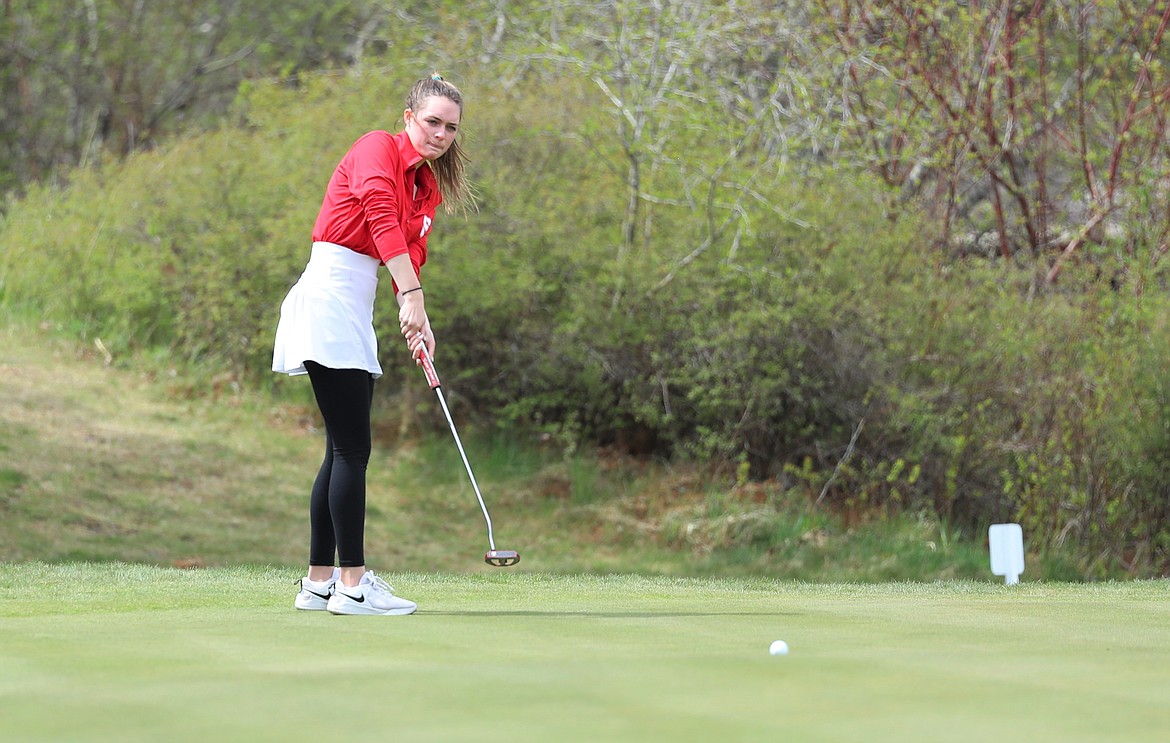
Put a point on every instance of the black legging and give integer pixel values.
(337, 507)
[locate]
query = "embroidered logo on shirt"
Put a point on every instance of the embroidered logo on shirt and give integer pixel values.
(426, 226)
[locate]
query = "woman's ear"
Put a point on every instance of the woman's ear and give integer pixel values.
(407, 115)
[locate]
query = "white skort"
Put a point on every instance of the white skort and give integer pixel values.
(328, 315)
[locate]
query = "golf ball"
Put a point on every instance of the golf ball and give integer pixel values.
(778, 648)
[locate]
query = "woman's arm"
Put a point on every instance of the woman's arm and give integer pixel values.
(412, 313)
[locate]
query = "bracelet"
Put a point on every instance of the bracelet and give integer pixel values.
(408, 291)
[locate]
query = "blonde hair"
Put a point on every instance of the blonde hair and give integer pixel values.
(449, 168)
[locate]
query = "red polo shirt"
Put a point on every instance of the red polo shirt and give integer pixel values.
(377, 203)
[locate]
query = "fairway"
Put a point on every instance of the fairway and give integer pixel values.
(133, 653)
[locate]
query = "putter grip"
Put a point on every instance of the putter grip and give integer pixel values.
(429, 370)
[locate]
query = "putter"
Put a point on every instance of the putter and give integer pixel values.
(494, 557)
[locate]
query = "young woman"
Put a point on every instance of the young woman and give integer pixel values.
(378, 210)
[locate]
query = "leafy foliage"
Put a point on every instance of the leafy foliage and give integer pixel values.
(670, 260)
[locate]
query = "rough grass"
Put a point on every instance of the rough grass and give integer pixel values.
(132, 653)
(121, 462)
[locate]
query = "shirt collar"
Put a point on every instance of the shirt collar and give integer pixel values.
(406, 149)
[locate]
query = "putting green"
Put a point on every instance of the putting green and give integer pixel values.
(131, 653)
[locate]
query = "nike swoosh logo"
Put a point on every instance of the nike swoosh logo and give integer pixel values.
(318, 595)
(361, 599)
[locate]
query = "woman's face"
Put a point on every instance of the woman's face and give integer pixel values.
(432, 128)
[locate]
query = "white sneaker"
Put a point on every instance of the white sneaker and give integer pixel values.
(371, 595)
(314, 595)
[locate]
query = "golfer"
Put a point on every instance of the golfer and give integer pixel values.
(378, 210)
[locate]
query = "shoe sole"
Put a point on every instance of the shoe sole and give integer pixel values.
(368, 613)
(353, 611)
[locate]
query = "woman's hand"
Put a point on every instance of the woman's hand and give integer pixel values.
(420, 340)
(412, 314)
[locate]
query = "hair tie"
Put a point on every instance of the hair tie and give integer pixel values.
(437, 77)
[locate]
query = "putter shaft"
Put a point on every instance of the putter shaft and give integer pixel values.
(470, 475)
(433, 381)
(494, 557)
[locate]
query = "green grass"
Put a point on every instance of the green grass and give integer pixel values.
(130, 653)
(112, 475)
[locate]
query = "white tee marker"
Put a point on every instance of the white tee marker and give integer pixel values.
(1007, 551)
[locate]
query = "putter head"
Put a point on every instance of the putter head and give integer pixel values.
(502, 558)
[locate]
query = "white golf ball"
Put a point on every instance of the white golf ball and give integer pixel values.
(778, 648)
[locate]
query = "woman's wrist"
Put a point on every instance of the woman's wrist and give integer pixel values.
(408, 291)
